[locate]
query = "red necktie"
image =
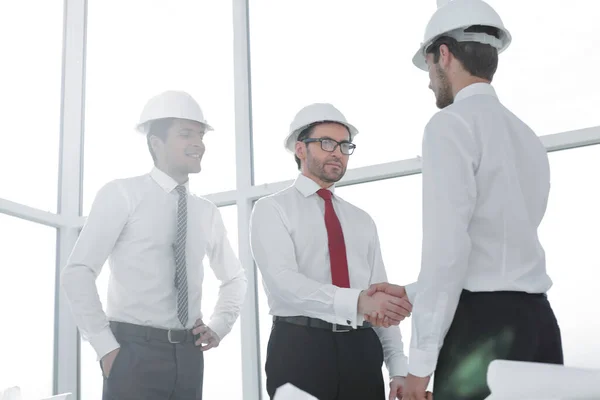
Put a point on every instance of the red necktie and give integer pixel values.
(337, 247)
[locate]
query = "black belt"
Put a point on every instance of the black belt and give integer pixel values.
(466, 292)
(320, 324)
(151, 333)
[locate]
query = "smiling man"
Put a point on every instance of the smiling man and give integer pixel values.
(317, 254)
(155, 235)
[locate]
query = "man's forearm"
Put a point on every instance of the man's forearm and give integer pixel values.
(79, 285)
(229, 305)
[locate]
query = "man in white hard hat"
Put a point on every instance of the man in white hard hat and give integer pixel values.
(317, 254)
(155, 233)
(481, 292)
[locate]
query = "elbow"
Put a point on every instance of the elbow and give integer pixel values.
(72, 275)
(243, 284)
(67, 277)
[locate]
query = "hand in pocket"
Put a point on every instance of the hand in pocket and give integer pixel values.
(108, 360)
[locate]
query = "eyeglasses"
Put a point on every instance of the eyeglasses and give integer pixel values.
(330, 145)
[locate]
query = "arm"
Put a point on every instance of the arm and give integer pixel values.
(229, 271)
(391, 338)
(102, 228)
(274, 254)
(449, 195)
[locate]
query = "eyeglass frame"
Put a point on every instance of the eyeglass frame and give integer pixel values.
(314, 140)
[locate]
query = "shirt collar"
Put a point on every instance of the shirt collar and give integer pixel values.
(307, 186)
(474, 89)
(165, 181)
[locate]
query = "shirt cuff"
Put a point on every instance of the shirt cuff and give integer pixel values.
(104, 342)
(422, 363)
(411, 292)
(219, 327)
(398, 366)
(345, 306)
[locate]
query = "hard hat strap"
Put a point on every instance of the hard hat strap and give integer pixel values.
(461, 36)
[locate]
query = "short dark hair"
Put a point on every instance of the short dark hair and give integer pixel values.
(160, 129)
(308, 131)
(479, 59)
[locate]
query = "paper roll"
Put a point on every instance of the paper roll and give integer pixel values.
(291, 392)
(533, 381)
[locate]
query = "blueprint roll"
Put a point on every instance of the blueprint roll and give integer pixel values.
(537, 381)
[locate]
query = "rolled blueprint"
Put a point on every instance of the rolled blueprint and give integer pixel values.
(537, 381)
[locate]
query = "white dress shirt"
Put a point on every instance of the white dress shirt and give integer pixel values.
(486, 180)
(132, 224)
(289, 243)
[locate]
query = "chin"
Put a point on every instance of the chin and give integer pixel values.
(333, 177)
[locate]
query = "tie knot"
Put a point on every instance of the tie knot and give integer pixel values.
(181, 190)
(325, 194)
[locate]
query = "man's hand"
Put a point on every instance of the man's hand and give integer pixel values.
(396, 387)
(415, 388)
(389, 288)
(208, 338)
(383, 305)
(393, 290)
(108, 360)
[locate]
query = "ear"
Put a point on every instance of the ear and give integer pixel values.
(156, 143)
(301, 150)
(445, 56)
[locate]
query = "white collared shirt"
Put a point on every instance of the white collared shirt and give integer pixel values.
(132, 224)
(486, 180)
(289, 244)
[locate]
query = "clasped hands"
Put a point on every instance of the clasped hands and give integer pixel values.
(384, 304)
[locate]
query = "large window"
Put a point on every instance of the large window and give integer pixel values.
(222, 365)
(357, 55)
(137, 49)
(554, 97)
(27, 288)
(570, 234)
(30, 78)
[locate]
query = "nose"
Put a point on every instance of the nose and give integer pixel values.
(198, 145)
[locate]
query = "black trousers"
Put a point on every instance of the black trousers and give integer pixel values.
(147, 368)
(494, 325)
(328, 365)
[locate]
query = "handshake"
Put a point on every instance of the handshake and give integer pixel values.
(384, 304)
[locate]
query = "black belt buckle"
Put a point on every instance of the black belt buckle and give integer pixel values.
(344, 329)
(176, 336)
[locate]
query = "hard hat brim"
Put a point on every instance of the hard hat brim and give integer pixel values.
(420, 61)
(291, 139)
(142, 127)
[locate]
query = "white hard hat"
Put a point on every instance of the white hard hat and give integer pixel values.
(318, 112)
(171, 104)
(452, 17)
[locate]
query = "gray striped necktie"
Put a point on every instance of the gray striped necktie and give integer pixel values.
(180, 262)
